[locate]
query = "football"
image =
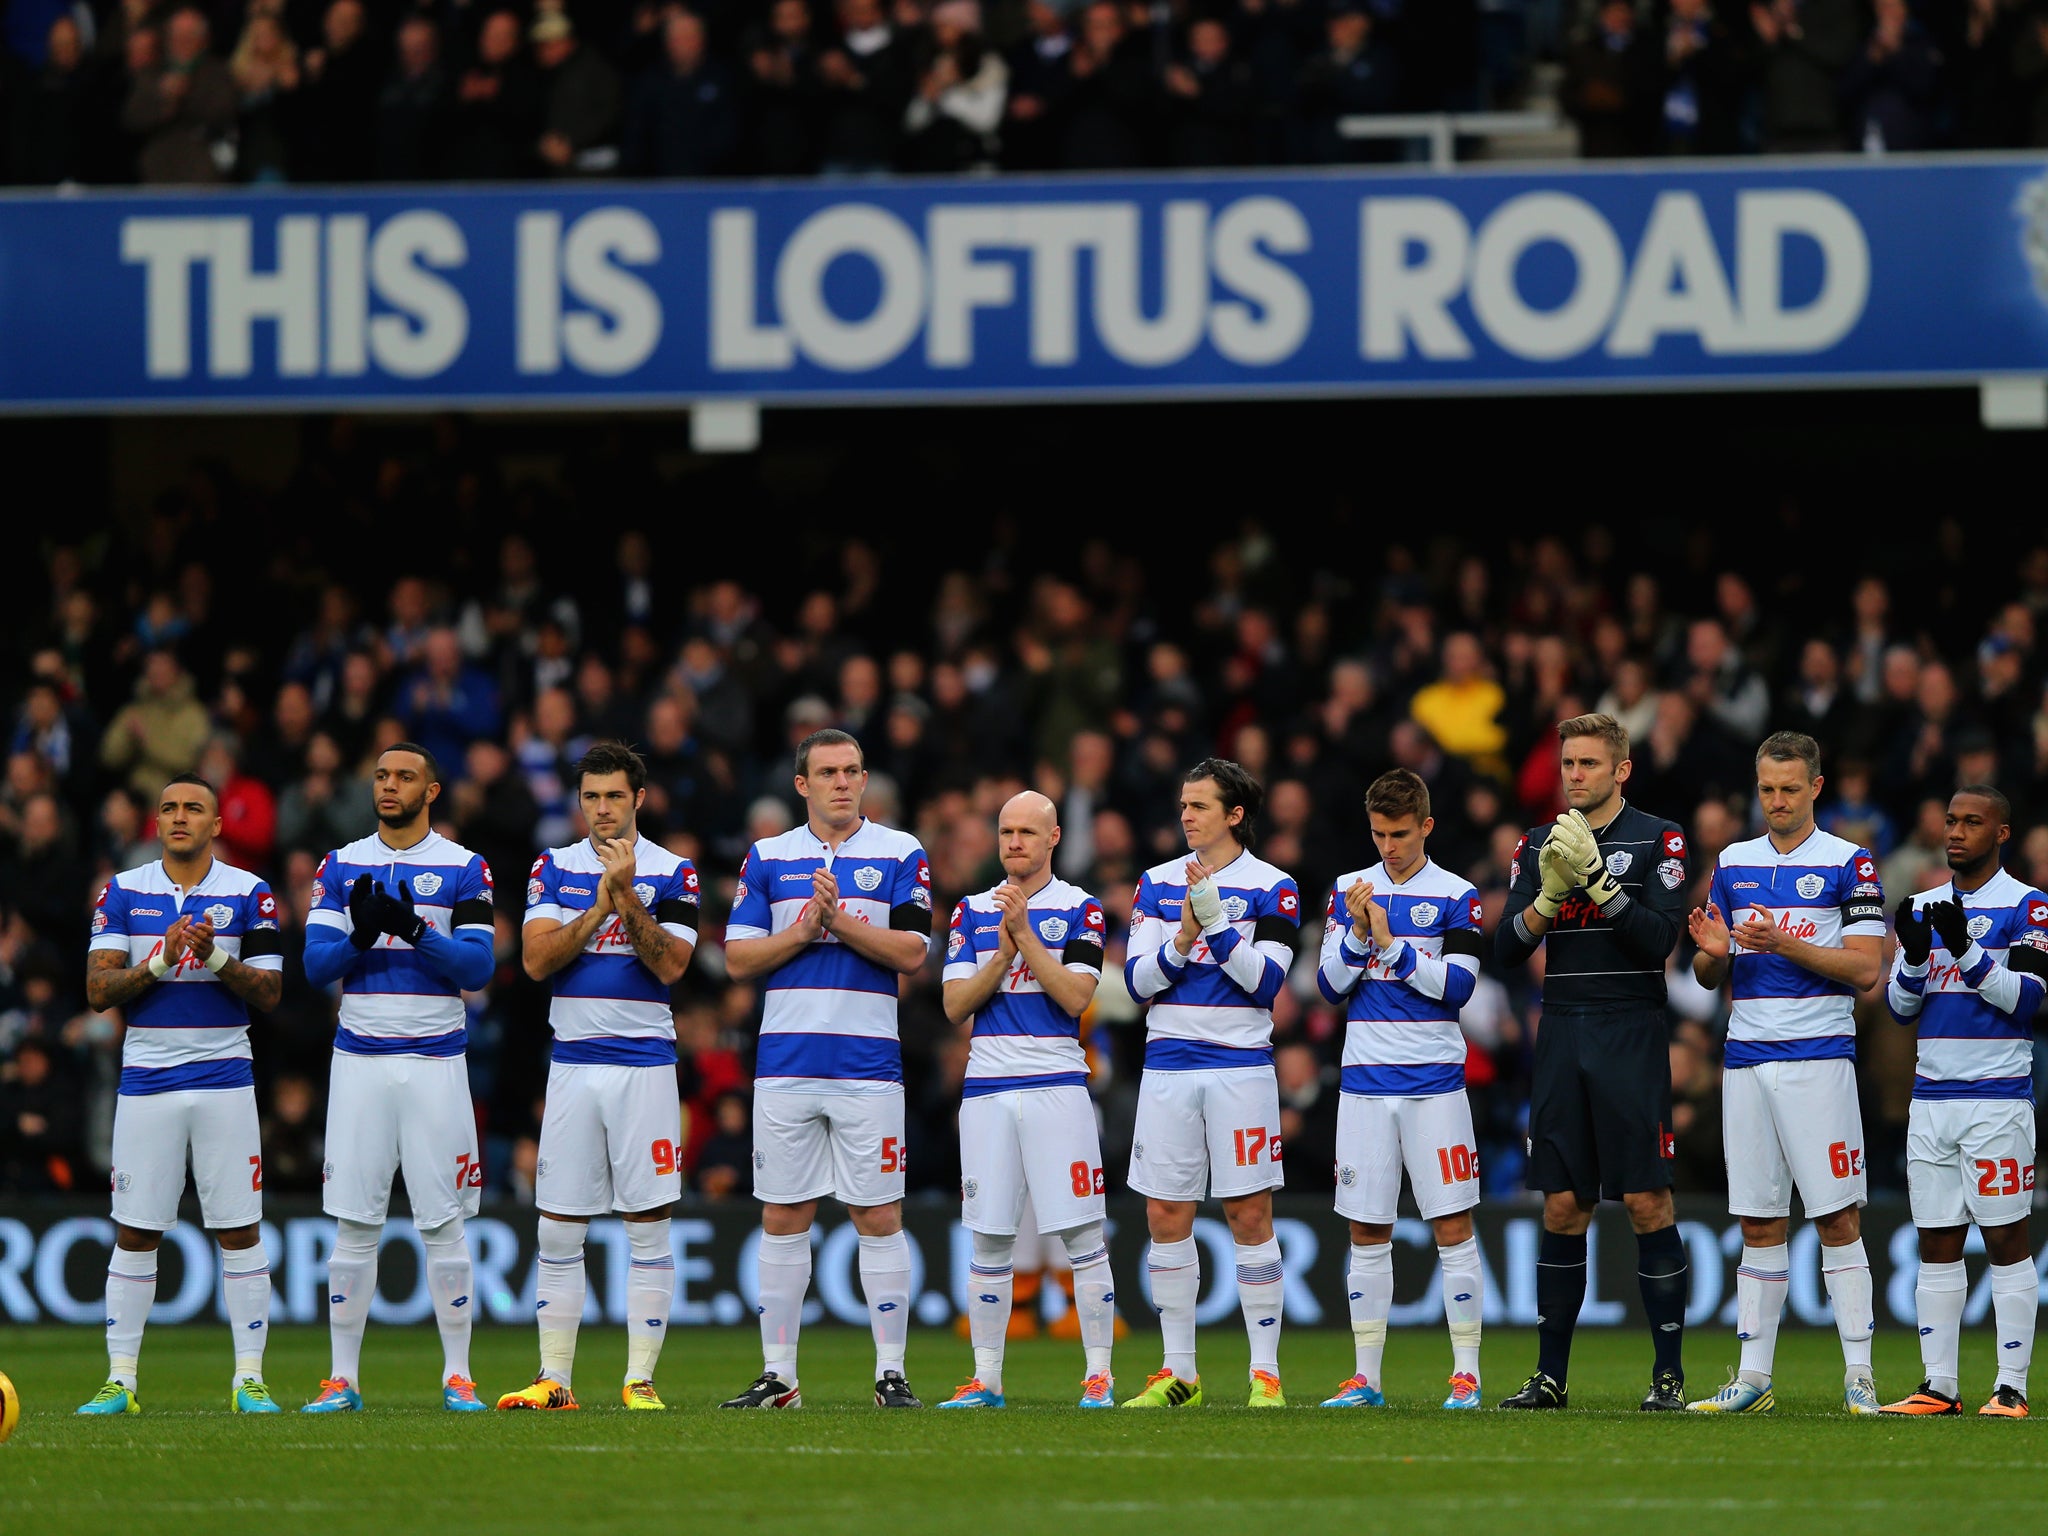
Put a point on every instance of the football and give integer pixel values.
(10, 1408)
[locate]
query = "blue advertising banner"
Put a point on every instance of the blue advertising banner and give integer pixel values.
(1758, 273)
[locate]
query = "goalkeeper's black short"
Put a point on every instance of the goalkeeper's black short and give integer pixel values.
(1600, 1104)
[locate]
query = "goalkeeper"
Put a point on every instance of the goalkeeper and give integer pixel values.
(1605, 885)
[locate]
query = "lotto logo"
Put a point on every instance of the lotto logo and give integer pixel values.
(1093, 917)
(266, 905)
(1288, 901)
(690, 880)
(1476, 910)
(2037, 914)
(1866, 869)
(1667, 1144)
(924, 873)
(1674, 844)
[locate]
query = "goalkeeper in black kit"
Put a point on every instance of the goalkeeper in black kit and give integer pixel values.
(1604, 886)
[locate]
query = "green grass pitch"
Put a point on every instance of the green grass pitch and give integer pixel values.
(187, 1465)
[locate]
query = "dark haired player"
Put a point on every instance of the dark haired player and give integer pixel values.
(1604, 887)
(1212, 937)
(403, 920)
(184, 947)
(1971, 970)
(613, 919)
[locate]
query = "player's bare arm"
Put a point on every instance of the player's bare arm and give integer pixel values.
(109, 983)
(964, 999)
(1368, 917)
(1859, 962)
(1709, 932)
(900, 949)
(746, 959)
(259, 989)
(1189, 933)
(547, 945)
(1072, 991)
(660, 951)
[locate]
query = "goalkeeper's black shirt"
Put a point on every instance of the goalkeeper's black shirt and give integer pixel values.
(1612, 960)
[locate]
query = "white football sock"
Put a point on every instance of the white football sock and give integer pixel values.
(784, 1269)
(650, 1296)
(2015, 1298)
(245, 1286)
(1761, 1283)
(885, 1280)
(351, 1286)
(1938, 1306)
(991, 1283)
(1176, 1274)
(1846, 1272)
(1262, 1296)
(131, 1292)
(1371, 1293)
(1094, 1293)
(559, 1292)
(1464, 1302)
(452, 1286)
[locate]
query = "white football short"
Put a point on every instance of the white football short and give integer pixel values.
(610, 1140)
(152, 1134)
(1431, 1137)
(1036, 1141)
(1969, 1160)
(385, 1113)
(1212, 1131)
(808, 1145)
(1787, 1123)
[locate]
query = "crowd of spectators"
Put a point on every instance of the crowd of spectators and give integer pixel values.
(342, 91)
(193, 638)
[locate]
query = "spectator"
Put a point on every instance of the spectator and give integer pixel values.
(41, 1149)
(1890, 89)
(684, 119)
(864, 86)
(52, 123)
(266, 70)
(324, 808)
(951, 122)
(336, 141)
(412, 112)
(496, 112)
(248, 809)
(1721, 685)
(294, 1146)
(1706, 84)
(1612, 86)
(183, 109)
(1806, 46)
(447, 702)
(786, 92)
(160, 732)
(1032, 128)
(1354, 75)
(580, 102)
(1461, 709)
(1210, 96)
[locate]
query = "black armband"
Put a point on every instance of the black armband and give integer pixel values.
(1082, 952)
(2027, 961)
(909, 917)
(473, 913)
(262, 941)
(681, 913)
(1462, 941)
(1276, 929)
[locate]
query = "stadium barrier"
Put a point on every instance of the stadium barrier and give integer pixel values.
(53, 1266)
(1754, 273)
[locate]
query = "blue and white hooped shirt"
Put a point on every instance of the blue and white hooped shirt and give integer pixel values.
(1212, 1008)
(828, 1015)
(1401, 1036)
(609, 1009)
(1975, 1010)
(187, 1030)
(1824, 891)
(1022, 1038)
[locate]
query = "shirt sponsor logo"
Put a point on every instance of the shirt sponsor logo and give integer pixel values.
(573, 890)
(425, 883)
(1747, 885)
(799, 879)
(145, 911)
(1672, 873)
(1424, 913)
(981, 928)
(1809, 886)
(1053, 929)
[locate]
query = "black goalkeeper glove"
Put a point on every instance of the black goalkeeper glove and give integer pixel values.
(363, 897)
(1951, 924)
(1916, 937)
(396, 915)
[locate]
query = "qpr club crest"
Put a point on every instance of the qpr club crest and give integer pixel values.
(644, 892)
(1618, 863)
(1053, 929)
(867, 877)
(1979, 926)
(426, 884)
(1424, 913)
(1346, 1175)
(220, 914)
(1235, 907)
(969, 1189)
(1809, 886)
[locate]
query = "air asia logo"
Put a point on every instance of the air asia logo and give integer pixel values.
(1674, 844)
(2032, 209)
(1053, 929)
(867, 877)
(1809, 886)
(425, 883)
(1424, 913)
